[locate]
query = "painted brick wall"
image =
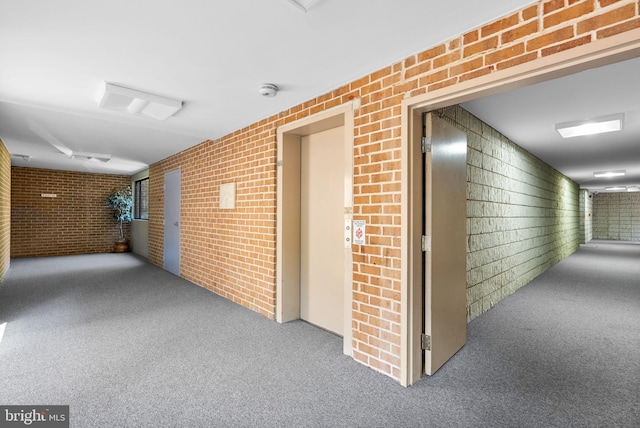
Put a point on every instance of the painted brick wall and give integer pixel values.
(586, 216)
(77, 221)
(616, 216)
(523, 216)
(5, 209)
(233, 252)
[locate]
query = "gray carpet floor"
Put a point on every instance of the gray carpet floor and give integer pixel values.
(125, 343)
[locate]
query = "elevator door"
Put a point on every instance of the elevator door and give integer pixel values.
(321, 221)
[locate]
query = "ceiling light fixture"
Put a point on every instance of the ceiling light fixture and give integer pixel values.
(618, 173)
(304, 5)
(616, 188)
(71, 154)
(25, 158)
(126, 100)
(633, 189)
(101, 157)
(597, 125)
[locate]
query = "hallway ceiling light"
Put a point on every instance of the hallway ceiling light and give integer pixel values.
(614, 188)
(25, 158)
(126, 100)
(617, 173)
(101, 157)
(304, 5)
(597, 125)
(633, 189)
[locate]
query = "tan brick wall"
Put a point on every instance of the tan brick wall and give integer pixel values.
(233, 252)
(523, 216)
(616, 216)
(77, 221)
(5, 209)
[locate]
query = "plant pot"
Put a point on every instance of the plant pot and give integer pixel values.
(121, 247)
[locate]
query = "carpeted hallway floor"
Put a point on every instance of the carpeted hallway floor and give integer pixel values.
(125, 343)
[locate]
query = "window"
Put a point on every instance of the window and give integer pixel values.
(141, 199)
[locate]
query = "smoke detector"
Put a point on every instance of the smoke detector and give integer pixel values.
(268, 90)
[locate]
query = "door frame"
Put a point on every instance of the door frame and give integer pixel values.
(288, 222)
(596, 54)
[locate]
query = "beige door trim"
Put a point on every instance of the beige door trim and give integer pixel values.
(287, 230)
(599, 53)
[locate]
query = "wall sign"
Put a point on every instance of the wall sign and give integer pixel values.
(228, 196)
(359, 232)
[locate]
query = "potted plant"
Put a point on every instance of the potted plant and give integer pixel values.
(121, 202)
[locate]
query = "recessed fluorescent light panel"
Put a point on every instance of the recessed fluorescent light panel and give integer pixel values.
(126, 100)
(616, 188)
(594, 126)
(304, 5)
(101, 157)
(25, 158)
(618, 173)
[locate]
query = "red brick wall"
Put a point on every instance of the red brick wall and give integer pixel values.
(5, 209)
(233, 252)
(77, 221)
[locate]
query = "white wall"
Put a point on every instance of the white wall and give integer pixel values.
(586, 219)
(139, 228)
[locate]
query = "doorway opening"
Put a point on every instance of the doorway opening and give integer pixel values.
(314, 214)
(599, 53)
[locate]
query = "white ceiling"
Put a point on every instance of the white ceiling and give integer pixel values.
(213, 55)
(528, 117)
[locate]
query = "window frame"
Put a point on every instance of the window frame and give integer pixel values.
(138, 195)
